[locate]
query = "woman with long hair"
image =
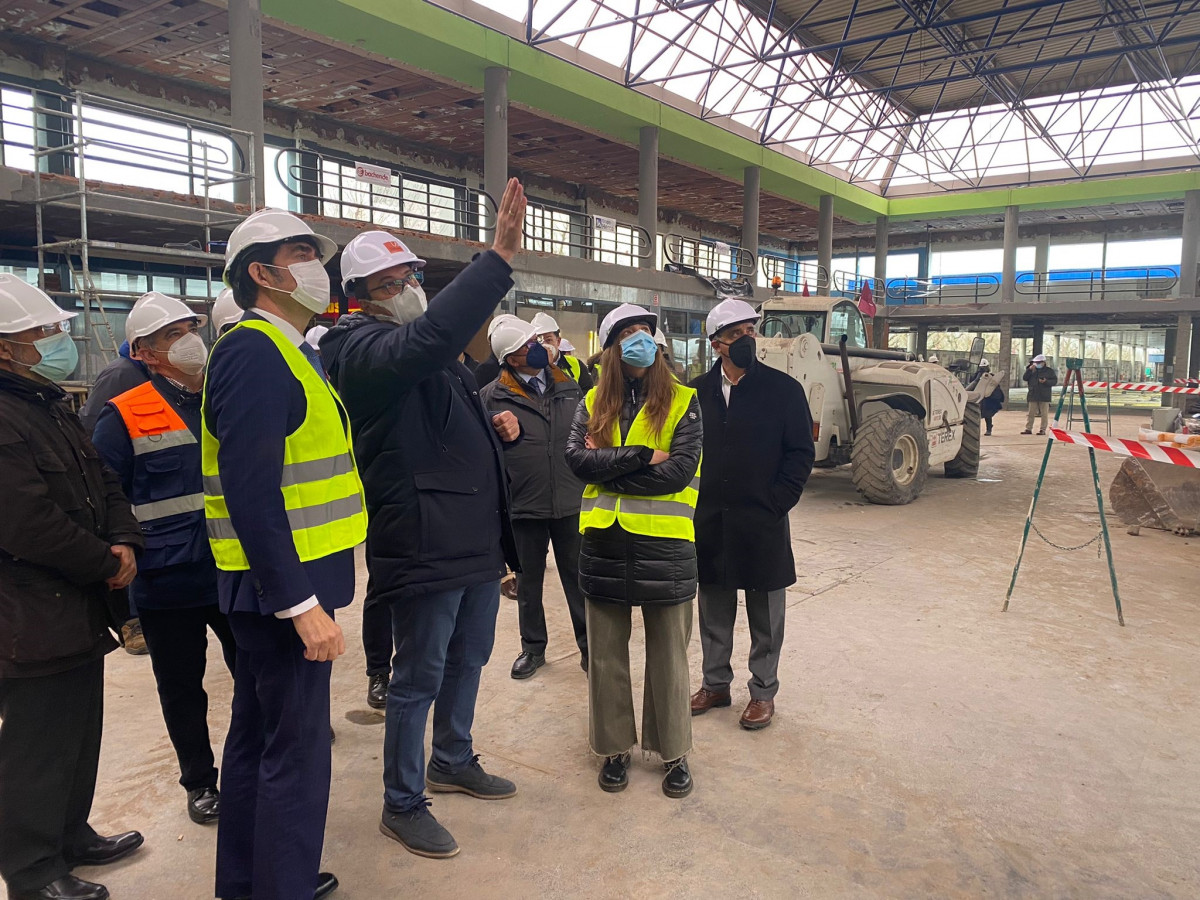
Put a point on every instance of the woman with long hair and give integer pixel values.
(636, 441)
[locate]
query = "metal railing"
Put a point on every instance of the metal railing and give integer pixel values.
(1146, 282)
(334, 187)
(567, 232)
(944, 289)
(850, 284)
(709, 258)
(793, 273)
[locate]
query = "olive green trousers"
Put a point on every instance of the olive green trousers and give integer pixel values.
(666, 707)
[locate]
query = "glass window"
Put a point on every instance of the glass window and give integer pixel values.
(846, 319)
(793, 324)
(1143, 253)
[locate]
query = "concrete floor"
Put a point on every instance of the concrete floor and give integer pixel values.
(926, 745)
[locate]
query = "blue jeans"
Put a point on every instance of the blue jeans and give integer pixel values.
(443, 641)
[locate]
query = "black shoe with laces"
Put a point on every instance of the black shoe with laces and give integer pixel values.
(614, 774)
(678, 781)
(204, 805)
(377, 690)
(526, 664)
(470, 780)
(419, 832)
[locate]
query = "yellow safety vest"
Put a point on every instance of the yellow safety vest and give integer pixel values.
(666, 515)
(573, 366)
(322, 492)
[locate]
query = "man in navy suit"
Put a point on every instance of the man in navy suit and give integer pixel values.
(284, 509)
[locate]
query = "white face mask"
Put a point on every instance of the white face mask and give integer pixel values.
(188, 354)
(551, 351)
(312, 284)
(407, 306)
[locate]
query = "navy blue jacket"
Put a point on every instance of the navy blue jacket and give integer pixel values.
(119, 376)
(432, 465)
(252, 402)
(176, 569)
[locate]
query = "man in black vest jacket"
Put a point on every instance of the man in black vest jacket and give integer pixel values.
(67, 537)
(758, 453)
(439, 533)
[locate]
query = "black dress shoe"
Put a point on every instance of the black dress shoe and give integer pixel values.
(327, 883)
(66, 888)
(204, 805)
(583, 663)
(377, 689)
(526, 664)
(614, 774)
(104, 850)
(678, 782)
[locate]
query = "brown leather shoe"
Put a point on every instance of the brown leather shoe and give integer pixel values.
(704, 700)
(758, 714)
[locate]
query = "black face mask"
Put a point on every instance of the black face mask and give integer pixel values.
(742, 352)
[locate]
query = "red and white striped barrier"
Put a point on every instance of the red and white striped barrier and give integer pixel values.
(1188, 381)
(1149, 388)
(1135, 449)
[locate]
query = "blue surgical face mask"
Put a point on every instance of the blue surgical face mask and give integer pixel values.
(639, 350)
(536, 357)
(59, 356)
(1039, 365)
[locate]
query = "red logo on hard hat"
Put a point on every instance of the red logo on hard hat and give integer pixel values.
(395, 247)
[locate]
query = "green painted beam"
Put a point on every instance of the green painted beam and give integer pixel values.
(420, 35)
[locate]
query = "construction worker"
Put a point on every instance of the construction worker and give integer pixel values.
(1041, 380)
(758, 453)
(440, 534)
(150, 436)
(284, 508)
(549, 334)
(636, 441)
(67, 538)
(545, 493)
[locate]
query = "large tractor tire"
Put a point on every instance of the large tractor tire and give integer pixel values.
(890, 458)
(966, 463)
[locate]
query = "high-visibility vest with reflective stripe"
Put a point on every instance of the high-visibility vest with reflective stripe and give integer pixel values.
(166, 457)
(573, 366)
(666, 515)
(322, 492)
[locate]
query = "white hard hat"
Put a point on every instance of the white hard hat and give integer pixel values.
(660, 338)
(984, 363)
(374, 251)
(154, 311)
(509, 334)
(933, 357)
(267, 226)
(1041, 357)
(225, 310)
(313, 336)
(497, 322)
(623, 315)
(730, 311)
(544, 323)
(24, 306)
(566, 346)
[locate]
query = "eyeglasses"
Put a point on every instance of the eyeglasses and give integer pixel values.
(394, 287)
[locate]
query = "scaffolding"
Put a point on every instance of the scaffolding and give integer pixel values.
(132, 146)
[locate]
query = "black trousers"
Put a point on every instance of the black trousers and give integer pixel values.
(178, 644)
(533, 537)
(49, 749)
(377, 634)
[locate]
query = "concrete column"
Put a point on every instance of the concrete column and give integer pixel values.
(1194, 353)
(1008, 281)
(1039, 337)
(750, 194)
(648, 182)
(1005, 361)
(922, 345)
(1191, 244)
(1183, 347)
(246, 93)
(495, 131)
(879, 329)
(1057, 349)
(1041, 259)
(825, 243)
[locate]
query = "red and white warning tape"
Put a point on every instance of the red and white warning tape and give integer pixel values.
(1148, 388)
(1135, 449)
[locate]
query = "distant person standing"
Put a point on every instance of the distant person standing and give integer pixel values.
(1041, 379)
(992, 400)
(758, 454)
(548, 333)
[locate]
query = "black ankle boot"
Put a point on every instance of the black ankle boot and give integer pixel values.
(678, 782)
(614, 774)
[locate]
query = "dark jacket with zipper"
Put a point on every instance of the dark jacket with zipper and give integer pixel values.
(616, 566)
(431, 463)
(540, 483)
(1041, 383)
(758, 454)
(63, 512)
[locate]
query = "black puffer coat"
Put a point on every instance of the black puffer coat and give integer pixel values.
(63, 511)
(633, 569)
(431, 463)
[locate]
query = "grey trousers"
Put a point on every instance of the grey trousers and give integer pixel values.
(666, 705)
(765, 613)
